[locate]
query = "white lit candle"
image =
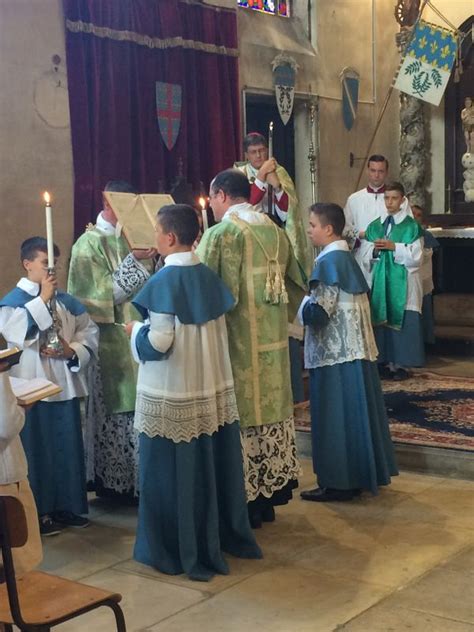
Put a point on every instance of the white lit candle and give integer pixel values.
(49, 229)
(205, 223)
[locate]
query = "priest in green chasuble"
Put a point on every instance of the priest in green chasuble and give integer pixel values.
(104, 275)
(263, 172)
(255, 260)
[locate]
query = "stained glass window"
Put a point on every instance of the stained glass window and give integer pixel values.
(274, 7)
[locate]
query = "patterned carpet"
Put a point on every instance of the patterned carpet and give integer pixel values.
(428, 409)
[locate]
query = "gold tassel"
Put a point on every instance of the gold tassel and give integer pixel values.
(284, 294)
(268, 289)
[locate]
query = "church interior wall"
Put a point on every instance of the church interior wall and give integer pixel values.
(362, 36)
(35, 156)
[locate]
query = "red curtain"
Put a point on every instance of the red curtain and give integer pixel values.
(116, 52)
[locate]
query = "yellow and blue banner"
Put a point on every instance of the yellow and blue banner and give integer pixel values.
(426, 66)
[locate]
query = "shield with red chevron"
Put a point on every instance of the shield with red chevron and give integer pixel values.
(168, 111)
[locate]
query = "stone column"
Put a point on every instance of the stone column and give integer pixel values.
(413, 150)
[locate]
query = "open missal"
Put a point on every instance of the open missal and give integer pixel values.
(30, 391)
(137, 216)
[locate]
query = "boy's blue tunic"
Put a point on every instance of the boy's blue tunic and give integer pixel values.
(352, 448)
(192, 497)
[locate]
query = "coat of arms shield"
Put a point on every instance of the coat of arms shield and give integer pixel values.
(168, 111)
(284, 79)
(350, 96)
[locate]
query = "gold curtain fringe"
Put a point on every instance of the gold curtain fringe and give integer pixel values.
(145, 40)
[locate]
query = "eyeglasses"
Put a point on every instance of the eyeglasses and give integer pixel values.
(261, 151)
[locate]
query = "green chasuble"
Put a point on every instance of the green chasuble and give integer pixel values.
(389, 280)
(296, 222)
(94, 258)
(257, 330)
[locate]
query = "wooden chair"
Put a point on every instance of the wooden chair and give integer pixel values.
(37, 601)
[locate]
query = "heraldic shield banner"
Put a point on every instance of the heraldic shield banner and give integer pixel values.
(284, 79)
(427, 64)
(350, 96)
(168, 110)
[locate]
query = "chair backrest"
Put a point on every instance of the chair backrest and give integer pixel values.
(13, 527)
(13, 534)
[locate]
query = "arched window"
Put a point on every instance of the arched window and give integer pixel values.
(272, 7)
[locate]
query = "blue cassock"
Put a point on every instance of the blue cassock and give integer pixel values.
(192, 495)
(52, 434)
(351, 443)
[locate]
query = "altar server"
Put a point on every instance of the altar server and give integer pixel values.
(13, 473)
(396, 292)
(352, 448)
(363, 207)
(52, 435)
(192, 505)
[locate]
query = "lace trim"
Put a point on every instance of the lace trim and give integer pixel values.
(326, 297)
(270, 460)
(184, 419)
(110, 441)
(348, 335)
(130, 276)
(145, 40)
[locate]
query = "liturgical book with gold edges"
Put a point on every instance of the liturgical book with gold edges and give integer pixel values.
(137, 215)
(11, 356)
(30, 391)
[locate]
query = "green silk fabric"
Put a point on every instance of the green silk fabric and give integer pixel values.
(296, 224)
(94, 258)
(257, 330)
(389, 280)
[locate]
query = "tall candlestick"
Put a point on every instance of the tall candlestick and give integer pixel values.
(49, 230)
(205, 222)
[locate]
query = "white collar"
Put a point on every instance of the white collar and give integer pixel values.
(340, 244)
(105, 226)
(245, 211)
(28, 286)
(376, 189)
(182, 259)
(397, 218)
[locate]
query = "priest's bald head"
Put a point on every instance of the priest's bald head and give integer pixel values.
(229, 187)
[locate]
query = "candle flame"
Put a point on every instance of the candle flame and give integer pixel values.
(202, 203)
(47, 197)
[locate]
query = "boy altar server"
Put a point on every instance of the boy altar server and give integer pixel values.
(397, 294)
(52, 435)
(192, 505)
(352, 449)
(13, 473)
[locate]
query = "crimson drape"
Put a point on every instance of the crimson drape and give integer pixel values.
(111, 81)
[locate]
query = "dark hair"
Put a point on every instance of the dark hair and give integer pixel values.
(254, 138)
(120, 186)
(377, 158)
(181, 220)
(30, 248)
(395, 186)
(330, 214)
(233, 182)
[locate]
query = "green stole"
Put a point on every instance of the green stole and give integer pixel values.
(389, 281)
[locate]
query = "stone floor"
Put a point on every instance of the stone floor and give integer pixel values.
(455, 366)
(401, 561)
